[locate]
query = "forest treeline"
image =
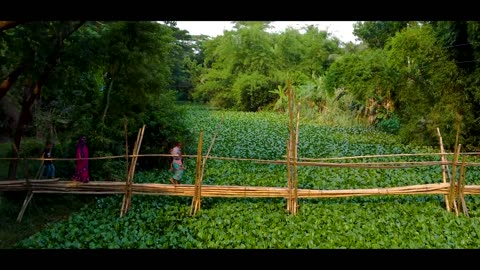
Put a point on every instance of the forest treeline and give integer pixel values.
(106, 79)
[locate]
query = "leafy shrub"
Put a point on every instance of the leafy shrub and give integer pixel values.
(390, 125)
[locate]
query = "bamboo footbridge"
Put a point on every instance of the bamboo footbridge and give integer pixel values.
(452, 187)
(453, 191)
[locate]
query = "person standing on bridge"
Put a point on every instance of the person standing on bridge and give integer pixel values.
(177, 164)
(49, 168)
(81, 161)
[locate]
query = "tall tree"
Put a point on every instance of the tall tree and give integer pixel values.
(377, 33)
(46, 41)
(428, 91)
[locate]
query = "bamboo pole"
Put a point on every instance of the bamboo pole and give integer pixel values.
(109, 187)
(128, 187)
(126, 166)
(24, 206)
(124, 201)
(197, 200)
(198, 170)
(385, 155)
(295, 169)
(444, 168)
(452, 189)
(460, 188)
(311, 160)
(366, 165)
(289, 185)
(126, 150)
(132, 173)
(292, 156)
(29, 192)
(291, 145)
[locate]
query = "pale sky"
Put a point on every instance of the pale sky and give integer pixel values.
(341, 29)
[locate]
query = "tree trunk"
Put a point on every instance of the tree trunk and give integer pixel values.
(11, 79)
(33, 93)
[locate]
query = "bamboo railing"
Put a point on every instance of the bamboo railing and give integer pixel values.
(453, 190)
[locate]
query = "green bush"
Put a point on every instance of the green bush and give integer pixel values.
(390, 125)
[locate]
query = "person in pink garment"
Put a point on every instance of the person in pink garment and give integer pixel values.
(81, 161)
(177, 164)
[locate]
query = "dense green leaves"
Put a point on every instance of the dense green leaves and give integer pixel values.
(427, 90)
(377, 33)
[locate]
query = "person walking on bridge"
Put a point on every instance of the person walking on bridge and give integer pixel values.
(177, 164)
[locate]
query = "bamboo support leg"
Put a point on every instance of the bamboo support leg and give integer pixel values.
(24, 206)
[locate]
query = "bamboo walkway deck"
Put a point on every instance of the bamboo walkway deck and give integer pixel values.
(109, 187)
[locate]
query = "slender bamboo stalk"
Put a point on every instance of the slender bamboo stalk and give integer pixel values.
(124, 201)
(24, 206)
(202, 170)
(366, 165)
(291, 143)
(197, 192)
(134, 164)
(128, 186)
(385, 155)
(444, 168)
(289, 173)
(451, 193)
(295, 169)
(126, 150)
(460, 187)
(422, 163)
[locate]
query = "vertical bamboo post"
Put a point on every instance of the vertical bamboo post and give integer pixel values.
(289, 173)
(132, 172)
(126, 148)
(198, 171)
(127, 180)
(292, 152)
(291, 141)
(128, 187)
(460, 186)
(452, 189)
(198, 184)
(295, 169)
(444, 168)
